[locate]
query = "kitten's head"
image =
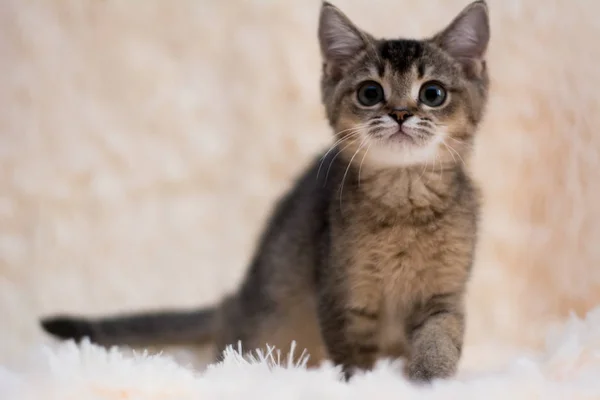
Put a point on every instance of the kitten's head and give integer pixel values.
(407, 101)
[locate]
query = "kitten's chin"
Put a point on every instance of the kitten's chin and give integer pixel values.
(400, 150)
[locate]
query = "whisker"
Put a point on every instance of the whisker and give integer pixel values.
(424, 168)
(462, 142)
(455, 152)
(333, 146)
(351, 134)
(344, 138)
(356, 127)
(355, 130)
(453, 158)
(362, 161)
(467, 143)
(334, 157)
(348, 168)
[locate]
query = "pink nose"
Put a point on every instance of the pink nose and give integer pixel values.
(400, 115)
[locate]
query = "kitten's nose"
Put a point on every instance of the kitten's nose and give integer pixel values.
(400, 115)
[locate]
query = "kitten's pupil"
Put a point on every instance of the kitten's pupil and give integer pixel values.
(371, 93)
(432, 93)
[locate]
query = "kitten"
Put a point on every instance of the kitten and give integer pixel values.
(369, 254)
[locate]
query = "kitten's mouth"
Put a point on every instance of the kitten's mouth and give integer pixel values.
(397, 135)
(401, 135)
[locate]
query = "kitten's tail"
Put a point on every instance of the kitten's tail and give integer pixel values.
(144, 329)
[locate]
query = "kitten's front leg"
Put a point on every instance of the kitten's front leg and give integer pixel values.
(436, 342)
(349, 332)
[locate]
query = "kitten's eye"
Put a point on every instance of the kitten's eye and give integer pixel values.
(432, 94)
(370, 93)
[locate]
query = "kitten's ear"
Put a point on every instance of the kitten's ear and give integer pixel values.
(340, 40)
(467, 37)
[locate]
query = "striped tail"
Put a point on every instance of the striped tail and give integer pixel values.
(144, 329)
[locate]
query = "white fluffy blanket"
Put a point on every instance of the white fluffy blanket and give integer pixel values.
(568, 368)
(142, 144)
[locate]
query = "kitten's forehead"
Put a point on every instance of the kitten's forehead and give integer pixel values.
(401, 55)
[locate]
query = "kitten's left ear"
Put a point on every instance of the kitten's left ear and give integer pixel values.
(339, 38)
(466, 38)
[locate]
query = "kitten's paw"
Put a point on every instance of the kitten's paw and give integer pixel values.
(424, 371)
(67, 328)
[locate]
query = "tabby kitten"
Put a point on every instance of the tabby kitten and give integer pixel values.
(369, 253)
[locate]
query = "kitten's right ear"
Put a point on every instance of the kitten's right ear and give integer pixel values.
(340, 40)
(466, 38)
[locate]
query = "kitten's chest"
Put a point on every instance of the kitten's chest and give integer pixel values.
(408, 262)
(392, 270)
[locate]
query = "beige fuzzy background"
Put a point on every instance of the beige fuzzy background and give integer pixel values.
(142, 144)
